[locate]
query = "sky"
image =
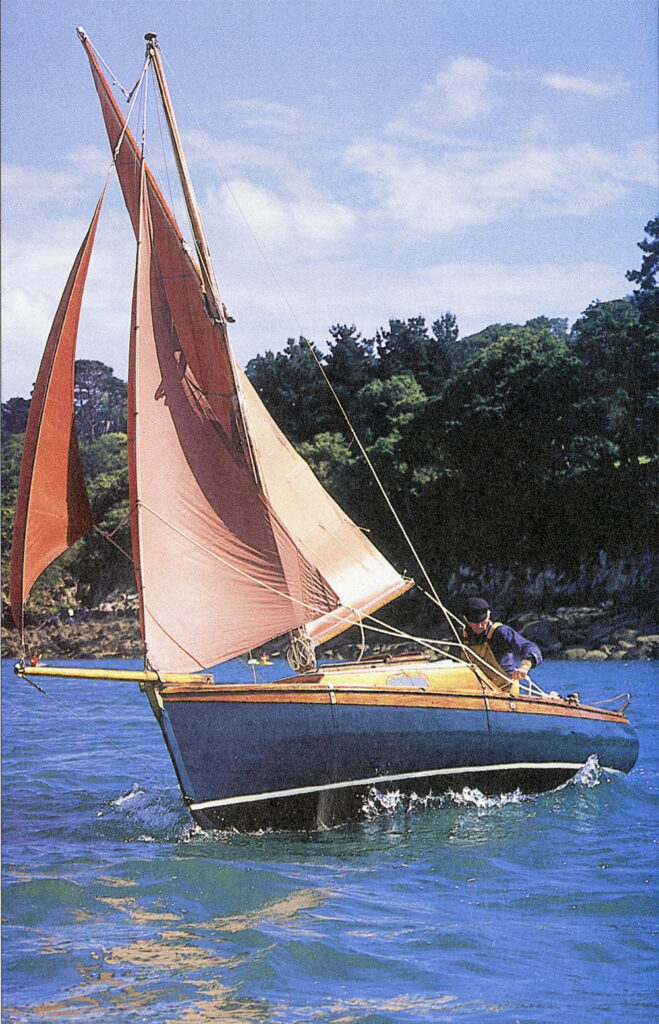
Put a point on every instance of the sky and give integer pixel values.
(354, 161)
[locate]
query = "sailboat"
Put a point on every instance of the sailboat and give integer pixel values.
(235, 543)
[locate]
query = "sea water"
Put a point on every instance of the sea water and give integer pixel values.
(116, 908)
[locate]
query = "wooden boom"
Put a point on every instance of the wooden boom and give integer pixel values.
(115, 674)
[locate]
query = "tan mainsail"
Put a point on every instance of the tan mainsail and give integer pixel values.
(216, 571)
(234, 540)
(203, 339)
(52, 507)
(334, 556)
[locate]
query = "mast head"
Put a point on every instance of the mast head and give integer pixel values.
(151, 40)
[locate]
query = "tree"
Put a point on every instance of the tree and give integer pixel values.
(407, 348)
(465, 349)
(385, 406)
(14, 416)
(292, 389)
(556, 325)
(598, 339)
(445, 328)
(500, 437)
(446, 333)
(99, 400)
(332, 458)
(12, 452)
(646, 277)
(349, 365)
(384, 410)
(618, 349)
(107, 455)
(644, 344)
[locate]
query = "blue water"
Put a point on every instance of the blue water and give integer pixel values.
(537, 910)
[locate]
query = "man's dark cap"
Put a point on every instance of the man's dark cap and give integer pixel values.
(475, 609)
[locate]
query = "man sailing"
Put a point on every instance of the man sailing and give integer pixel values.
(494, 647)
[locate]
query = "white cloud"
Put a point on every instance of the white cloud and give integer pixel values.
(575, 83)
(464, 188)
(460, 92)
(228, 155)
(276, 117)
(517, 291)
(29, 186)
(90, 162)
(307, 293)
(354, 291)
(35, 266)
(329, 221)
(305, 217)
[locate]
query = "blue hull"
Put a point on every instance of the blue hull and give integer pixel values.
(303, 765)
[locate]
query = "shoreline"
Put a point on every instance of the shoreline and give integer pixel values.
(572, 634)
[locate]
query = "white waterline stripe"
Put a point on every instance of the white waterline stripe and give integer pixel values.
(277, 794)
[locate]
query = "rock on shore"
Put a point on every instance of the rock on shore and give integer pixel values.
(566, 633)
(595, 634)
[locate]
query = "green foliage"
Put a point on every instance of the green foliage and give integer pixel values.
(349, 365)
(100, 400)
(618, 350)
(107, 455)
(384, 407)
(598, 339)
(646, 277)
(407, 348)
(14, 416)
(12, 451)
(292, 388)
(336, 465)
(517, 445)
(93, 567)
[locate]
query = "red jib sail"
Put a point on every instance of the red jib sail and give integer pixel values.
(52, 509)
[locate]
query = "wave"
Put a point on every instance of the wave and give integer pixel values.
(590, 774)
(158, 815)
(142, 815)
(390, 802)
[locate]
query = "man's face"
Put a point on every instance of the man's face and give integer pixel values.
(479, 627)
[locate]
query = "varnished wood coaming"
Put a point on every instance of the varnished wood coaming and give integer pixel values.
(449, 686)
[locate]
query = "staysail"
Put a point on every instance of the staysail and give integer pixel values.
(362, 578)
(226, 559)
(52, 507)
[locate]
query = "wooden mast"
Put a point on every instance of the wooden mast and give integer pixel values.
(304, 658)
(201, 244)
(216, 306)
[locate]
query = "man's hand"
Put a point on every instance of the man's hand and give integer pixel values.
(522, 670)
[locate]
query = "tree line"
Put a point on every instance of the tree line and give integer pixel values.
(527, 444)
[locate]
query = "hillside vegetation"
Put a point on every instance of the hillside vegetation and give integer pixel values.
(518, 454)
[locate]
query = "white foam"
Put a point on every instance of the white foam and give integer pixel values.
(588, 776)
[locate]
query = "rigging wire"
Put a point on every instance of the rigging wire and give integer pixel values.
(163, 148)
(435, 597)
(84, 721)
(115, 80)
(110, 539)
